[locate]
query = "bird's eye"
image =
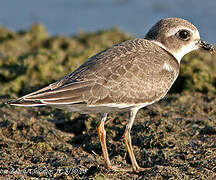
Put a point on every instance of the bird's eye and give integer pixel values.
(183, 35)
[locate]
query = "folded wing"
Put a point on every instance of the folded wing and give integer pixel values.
(64, 94)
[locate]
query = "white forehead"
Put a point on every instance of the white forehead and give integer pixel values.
(174, 30)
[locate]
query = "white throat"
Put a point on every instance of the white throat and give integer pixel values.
(181, 52)
(185, 50)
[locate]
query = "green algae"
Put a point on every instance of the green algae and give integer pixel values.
(175, 138)
(197, 73)
(31, 59)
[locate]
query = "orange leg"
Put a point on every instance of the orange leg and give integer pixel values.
(102, 137)
(127, 140)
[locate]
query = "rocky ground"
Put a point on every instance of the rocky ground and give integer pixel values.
(173, 139)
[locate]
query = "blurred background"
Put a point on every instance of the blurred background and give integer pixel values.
(67, 17)
(175, 138)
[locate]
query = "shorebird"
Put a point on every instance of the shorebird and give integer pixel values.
(123, 78)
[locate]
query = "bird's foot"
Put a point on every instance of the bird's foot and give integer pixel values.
(119, 168)
(137, 169)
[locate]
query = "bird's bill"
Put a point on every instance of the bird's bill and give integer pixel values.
(204, 45)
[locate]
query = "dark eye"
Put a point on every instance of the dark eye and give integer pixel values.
(183, 35)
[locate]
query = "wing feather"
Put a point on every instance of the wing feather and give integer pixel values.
(72, 100)
(125, 73)
(67, 94)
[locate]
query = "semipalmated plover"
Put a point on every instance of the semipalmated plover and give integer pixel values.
(124, 78)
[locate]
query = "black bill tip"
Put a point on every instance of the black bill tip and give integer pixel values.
(204, 45)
